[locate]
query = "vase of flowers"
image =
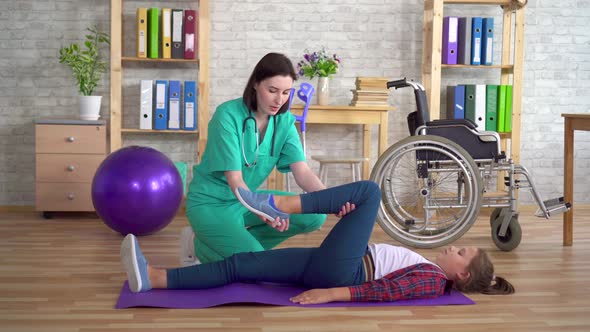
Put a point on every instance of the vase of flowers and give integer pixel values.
(319, 64)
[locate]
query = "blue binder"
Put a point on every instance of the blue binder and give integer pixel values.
(487, 41)
(174, 106)
(459, 108)
(161, 110)
(476, 26)
(190, 106)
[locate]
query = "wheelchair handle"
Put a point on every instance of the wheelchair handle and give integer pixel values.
(398, 84)
(404, 83)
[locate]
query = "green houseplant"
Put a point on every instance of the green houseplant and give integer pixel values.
(87, 67)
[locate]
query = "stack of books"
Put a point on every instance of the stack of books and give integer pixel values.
(370, 91)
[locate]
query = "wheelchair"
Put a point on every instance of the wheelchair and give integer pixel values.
(433, 182)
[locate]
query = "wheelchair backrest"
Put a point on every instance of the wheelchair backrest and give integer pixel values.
(421, 116)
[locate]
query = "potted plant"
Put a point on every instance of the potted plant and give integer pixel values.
(322, 65)
(87, 67)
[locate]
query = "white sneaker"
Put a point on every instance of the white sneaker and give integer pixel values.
(187, 247)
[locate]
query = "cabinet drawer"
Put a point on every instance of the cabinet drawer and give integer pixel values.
(63, 197)
(70, 139)
(66, 167)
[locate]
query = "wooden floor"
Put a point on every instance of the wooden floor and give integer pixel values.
(64, 275)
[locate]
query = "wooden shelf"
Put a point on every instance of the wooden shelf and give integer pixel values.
(482, 2)
(150, 131)
(136, 59)
(509, 67)
(119, 63)
(510, 64)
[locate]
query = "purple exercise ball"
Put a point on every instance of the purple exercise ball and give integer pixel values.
(137, 190)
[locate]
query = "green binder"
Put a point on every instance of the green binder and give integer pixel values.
(501, 108)
(508, 119)
(491, 107)
(470, 102)
(153, 32)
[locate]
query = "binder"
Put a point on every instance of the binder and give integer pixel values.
(487, 41)
(174, 106)
(508, 118)
(449, 41)
(177, 34)
(480, 106)
(153, 45)
(501, 108)
(456, 102)
(161, 111)
(141, 38)
(464, 41)
(145, 101)
(190, 33)
(491, 107)
(476, 25)
(166, 33)
(470, 102)
(190, 105)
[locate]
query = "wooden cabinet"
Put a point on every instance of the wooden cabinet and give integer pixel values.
(510, 65)
(123, 19)
(67, 154)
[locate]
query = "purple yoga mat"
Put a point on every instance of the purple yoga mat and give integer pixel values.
(254, 293)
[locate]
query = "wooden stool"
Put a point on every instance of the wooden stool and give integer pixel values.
(354, 162)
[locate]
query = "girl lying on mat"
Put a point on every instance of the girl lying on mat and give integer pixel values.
(342, 268)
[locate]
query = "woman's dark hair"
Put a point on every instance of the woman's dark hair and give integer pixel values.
(482, 278)
(272, 64)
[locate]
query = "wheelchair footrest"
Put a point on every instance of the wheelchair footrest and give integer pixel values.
(553, 207)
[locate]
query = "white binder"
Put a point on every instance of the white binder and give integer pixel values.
(145, 101)
(174, 106)
(480, 106)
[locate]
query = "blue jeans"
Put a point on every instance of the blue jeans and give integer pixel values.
(336, 262)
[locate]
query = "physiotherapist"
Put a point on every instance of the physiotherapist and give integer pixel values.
(247, 138)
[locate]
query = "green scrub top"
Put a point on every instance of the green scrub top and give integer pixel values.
(224, 152)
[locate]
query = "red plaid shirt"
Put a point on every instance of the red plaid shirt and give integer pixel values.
(416, 281)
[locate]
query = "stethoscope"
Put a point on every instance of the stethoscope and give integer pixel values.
(272, 146)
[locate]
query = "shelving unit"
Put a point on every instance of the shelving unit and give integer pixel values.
(511, 65)
(119, 60)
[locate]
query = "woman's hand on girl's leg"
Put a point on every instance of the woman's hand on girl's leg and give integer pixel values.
(346, 209)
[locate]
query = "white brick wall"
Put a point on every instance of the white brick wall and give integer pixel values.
(373, 37)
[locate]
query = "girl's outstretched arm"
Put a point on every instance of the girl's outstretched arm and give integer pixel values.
(322, 295)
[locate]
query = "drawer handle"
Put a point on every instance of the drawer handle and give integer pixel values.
(71, 139)
(71, 196)
(71, 168)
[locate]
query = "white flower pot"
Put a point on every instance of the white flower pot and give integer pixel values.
(90, 107)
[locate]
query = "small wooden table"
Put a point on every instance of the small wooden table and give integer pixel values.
(338, 114)
(572, 122)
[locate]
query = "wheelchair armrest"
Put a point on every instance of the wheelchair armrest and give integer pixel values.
(450, 122)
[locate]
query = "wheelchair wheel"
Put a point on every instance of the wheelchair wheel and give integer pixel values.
(512, 237)
(431, 191)
(495, 214)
